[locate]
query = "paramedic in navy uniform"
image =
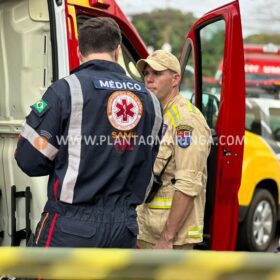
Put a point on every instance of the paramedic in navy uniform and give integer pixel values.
(98, 170)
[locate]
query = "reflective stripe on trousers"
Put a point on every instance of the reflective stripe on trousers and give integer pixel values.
(195, 232)
(166, 203)
(160, 203)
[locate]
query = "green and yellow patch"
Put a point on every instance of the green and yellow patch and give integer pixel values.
(40, 106)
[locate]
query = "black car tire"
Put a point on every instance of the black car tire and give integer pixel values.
(257, 241)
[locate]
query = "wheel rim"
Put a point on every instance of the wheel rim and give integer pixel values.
(262, 223)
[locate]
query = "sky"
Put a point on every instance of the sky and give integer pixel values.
(256, 15)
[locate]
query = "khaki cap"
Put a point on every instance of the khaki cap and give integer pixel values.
(160, 60)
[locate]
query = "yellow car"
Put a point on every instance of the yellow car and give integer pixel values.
(260, 185)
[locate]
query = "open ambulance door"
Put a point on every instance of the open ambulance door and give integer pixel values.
(215, 37)
(25, 73)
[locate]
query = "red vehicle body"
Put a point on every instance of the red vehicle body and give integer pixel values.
(262, 63)
(262, 70)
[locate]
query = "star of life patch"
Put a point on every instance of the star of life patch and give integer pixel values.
(184, 138)
(124, 110)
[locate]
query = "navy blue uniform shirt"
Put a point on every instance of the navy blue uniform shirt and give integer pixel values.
(95, 140)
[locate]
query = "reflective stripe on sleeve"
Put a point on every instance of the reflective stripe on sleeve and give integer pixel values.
(39, 142)
(160, 203)
(74, 132)
(195, 232)
(175, 112)
(174, 116)
(158, 118)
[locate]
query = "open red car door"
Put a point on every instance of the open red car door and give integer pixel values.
(218, 35)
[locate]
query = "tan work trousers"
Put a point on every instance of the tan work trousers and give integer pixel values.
(146, 245)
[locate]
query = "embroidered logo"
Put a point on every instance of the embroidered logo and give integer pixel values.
(41, 142)
(184, 138)
(124, 110)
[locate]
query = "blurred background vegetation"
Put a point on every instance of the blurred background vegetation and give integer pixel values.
(162, 26)
(170, 26)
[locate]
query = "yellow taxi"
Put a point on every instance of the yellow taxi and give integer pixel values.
(260, 185)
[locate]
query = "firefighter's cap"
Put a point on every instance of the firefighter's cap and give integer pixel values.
(160, 60)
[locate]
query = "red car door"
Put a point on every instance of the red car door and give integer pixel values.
(218, 35)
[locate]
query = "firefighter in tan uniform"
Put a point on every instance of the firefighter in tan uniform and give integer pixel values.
(174, 217)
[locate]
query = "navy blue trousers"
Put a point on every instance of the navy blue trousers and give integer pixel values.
(101, 226)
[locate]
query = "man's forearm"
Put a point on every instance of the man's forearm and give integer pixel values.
(182, 205)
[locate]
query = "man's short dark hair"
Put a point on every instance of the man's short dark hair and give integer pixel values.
(99, 35)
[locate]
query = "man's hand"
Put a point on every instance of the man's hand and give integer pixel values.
(181, 207)
(162, 244)
(165, 241)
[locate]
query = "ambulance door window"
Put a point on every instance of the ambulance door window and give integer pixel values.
(128, 63)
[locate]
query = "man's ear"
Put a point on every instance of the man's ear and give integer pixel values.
(117, 53)
(79, 54)
(176, 79)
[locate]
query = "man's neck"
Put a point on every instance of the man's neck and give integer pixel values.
(170, 97)
(99, 56)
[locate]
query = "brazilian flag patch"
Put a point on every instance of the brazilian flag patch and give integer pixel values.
(40, 106)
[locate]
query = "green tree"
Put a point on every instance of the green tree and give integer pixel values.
(161, 26)
(212, 44)
(263, 39)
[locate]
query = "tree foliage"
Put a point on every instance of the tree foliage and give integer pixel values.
(161, 26)
(263, 39)
(172, 26)
(212, 47)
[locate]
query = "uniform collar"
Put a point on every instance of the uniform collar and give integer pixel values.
(170, 103)
(100, 65)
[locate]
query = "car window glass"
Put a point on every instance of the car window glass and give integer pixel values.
(212, 39)
(187, 83)
(274, 121)
(253, 117)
